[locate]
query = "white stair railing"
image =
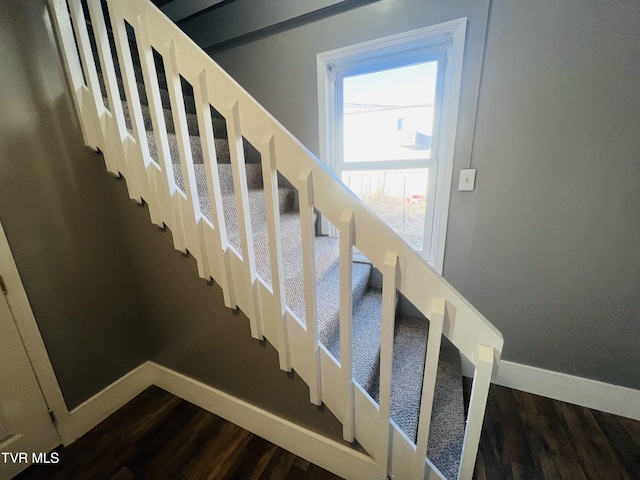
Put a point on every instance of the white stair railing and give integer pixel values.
(403, 270)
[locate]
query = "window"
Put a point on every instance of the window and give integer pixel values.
(388, 115)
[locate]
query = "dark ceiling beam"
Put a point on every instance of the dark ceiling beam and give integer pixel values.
(247, 20)
(178, 10)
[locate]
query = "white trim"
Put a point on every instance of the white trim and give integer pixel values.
(96, 409)
(447, 36)
(606, 397)
(329, 454)
(450, 107)
(29, 332)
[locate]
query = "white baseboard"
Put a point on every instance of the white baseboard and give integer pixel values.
(93, 411)
(602, 396)
(329, 454)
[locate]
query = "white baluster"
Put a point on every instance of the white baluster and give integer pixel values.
(220, 248)
(272, 205)
(137, 155)
(307, 225)
(347, 234)
(390, 282)
(93, 109)
(436, 322)
(114, 125)
(65, 35)
(167, 187)
(189, 209)
(477, 404)
(241, 191)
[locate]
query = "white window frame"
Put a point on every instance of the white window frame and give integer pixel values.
(447, 38)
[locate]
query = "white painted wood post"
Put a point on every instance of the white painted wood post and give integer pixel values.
(64, 33)
(93, 107)
(167, 187)
(113, 123)
(307, 226)
(190, 206)
(436, 323)
(347, 234)
(479, 393)
(137, 156)
(220, 248)
(241, 191)
(390, 282)
(272, 206)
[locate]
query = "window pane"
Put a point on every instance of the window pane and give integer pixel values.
(397, 196)
(388, 115)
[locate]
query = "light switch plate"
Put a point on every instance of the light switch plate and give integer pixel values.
(467, 180)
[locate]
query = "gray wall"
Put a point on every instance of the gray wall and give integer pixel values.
(548, 246)
(56, 205)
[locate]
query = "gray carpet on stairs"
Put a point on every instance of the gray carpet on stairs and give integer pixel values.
(448, 421)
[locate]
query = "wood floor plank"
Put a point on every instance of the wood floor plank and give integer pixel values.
(625, 445)
(549, 452)
(278, 465)
(123, 474)
(592, 446)
(562, 441)
(481, 473)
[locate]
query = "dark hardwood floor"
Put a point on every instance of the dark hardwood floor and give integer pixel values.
(159, 436)
(526, 436)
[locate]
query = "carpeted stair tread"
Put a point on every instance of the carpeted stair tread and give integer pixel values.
(328, 293)
(142, 92)
(222, 149)
(286, 195)
(254, 177)
(221, 146)
(326, 248)
(218, 123)
(257, 209)
(192, 120)
(367, 321)
(447, 420)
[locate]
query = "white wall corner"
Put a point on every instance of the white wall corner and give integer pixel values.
(90, 413)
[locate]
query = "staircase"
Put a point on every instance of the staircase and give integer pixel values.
(242, 196)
